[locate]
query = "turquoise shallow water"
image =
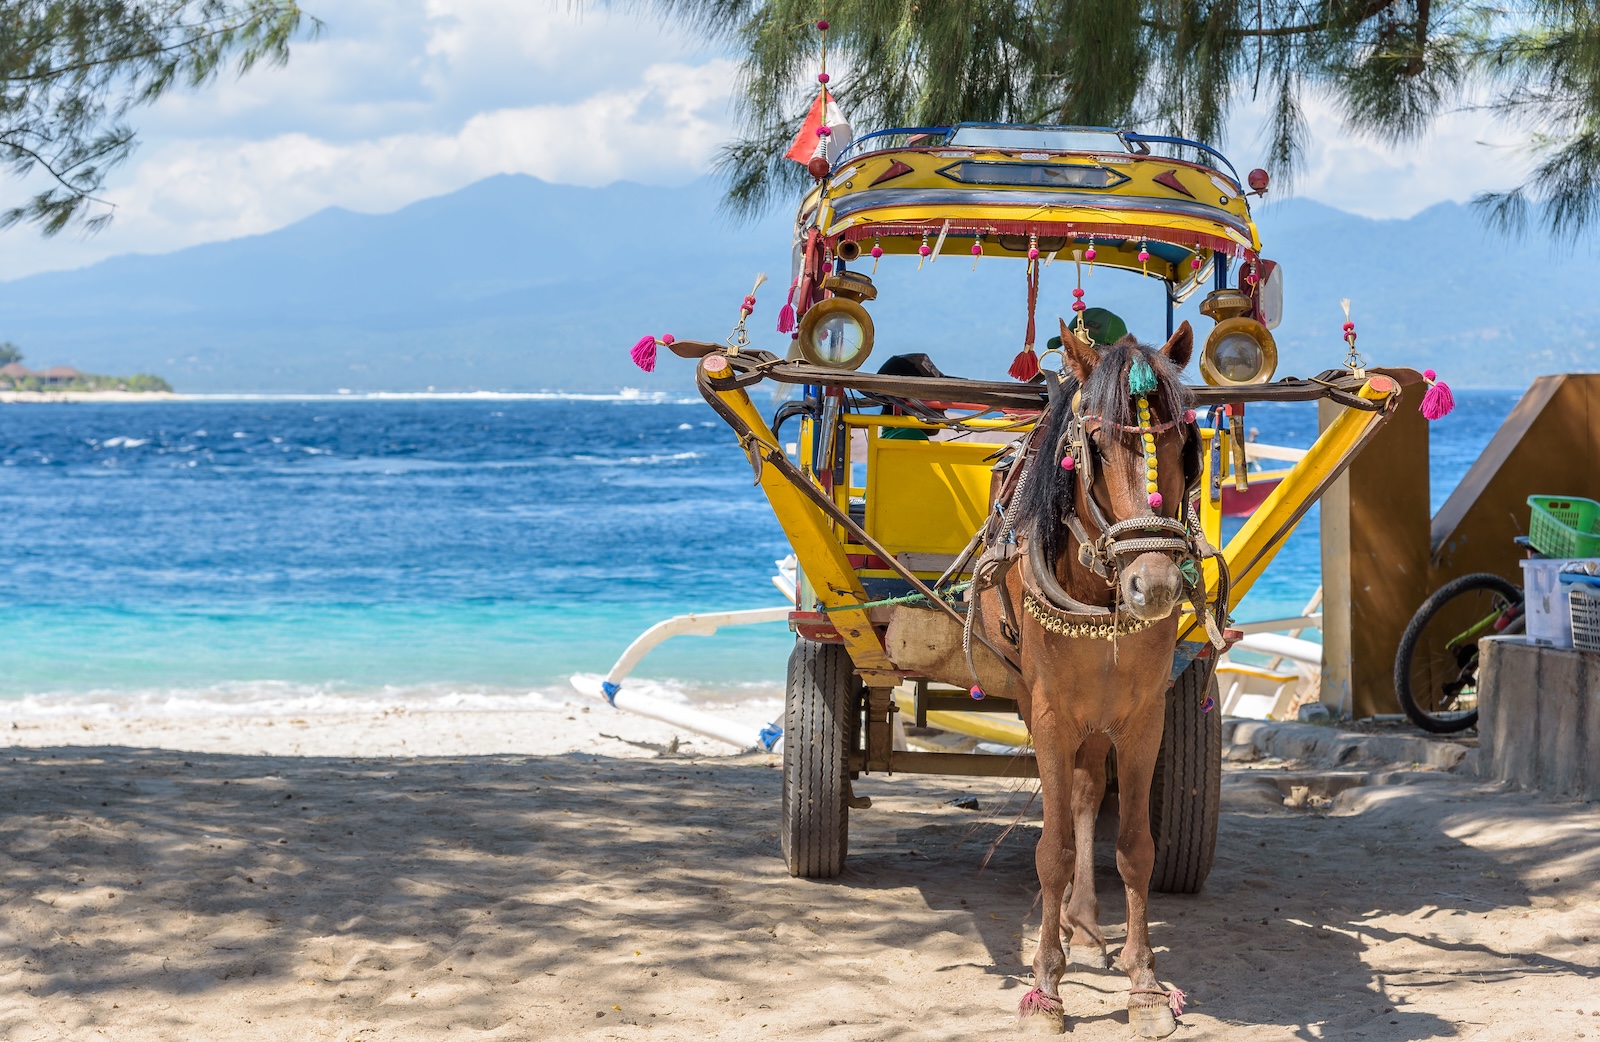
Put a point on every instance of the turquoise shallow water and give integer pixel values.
(300, 554)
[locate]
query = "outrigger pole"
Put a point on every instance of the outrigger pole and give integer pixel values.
(609, 688)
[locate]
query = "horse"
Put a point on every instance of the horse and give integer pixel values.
(1082, 576)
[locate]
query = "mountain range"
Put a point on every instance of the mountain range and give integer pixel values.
(515, 284)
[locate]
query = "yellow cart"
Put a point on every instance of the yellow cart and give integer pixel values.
(889, 474)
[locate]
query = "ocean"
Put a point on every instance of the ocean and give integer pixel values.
(269, 555)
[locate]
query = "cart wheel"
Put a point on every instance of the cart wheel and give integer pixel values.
(1187, 787)
(821, 695)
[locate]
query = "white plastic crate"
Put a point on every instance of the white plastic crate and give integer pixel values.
(1583, 601)
(1549, 620)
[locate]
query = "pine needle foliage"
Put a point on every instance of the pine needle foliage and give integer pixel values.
(71, 71)
(1390, 67)
(1547, 69)
(1174, 66)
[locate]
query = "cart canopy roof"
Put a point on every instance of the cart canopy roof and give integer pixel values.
(1061, 188)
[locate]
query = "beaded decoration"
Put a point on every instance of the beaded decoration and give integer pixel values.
(1076, 624)
(1352, 358)
(1077, 299)
(1144, 257)
(923, 250)
(740, 337)
(1141, 381)
(877, 254)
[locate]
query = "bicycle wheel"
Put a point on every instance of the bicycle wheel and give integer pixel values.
(1436, 667)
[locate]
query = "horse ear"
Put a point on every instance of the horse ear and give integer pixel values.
(1180, 346)
(1081, 358)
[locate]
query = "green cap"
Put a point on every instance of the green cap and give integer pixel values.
(1105, 327)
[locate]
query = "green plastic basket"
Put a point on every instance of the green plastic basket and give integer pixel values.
(1565, 526)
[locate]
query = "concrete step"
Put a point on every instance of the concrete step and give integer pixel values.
(1315, 745)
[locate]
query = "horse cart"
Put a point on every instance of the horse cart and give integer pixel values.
(890, 482)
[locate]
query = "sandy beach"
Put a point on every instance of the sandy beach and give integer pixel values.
(25, 397)
(415, 876)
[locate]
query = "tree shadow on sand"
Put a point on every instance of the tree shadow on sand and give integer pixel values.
(1329, 925)
(155, 894)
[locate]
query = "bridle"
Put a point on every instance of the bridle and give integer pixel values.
(1132, 536)
(1104, 550)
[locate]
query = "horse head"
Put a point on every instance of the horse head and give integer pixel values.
(1119, 456)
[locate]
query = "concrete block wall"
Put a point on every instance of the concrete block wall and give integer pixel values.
(1539, 717)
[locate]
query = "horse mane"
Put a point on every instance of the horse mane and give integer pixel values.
(1047, 496)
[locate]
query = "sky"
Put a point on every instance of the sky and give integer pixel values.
(399, 100)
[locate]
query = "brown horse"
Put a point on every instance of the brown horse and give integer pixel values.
(1085, 581)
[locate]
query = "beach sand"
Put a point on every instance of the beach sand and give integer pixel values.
(517, 876)
(25, 397)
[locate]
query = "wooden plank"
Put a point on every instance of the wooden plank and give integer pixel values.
(1374, 556)
(965, 765)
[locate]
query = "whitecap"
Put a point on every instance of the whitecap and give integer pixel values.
(634, 461)
(123, 442)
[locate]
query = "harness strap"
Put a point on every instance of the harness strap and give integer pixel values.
(759, 450)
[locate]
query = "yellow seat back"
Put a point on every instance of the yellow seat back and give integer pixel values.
(926, 496)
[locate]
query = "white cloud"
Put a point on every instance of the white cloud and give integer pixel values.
(403, 99)
(1463, 154)
(662, 130)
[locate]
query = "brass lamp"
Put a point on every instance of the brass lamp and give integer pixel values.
(836, 333)
(1239, 351)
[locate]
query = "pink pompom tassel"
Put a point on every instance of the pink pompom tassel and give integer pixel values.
(786, 313)
(644, 354)
(1438, 402)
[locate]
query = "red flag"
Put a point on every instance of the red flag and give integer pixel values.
(805, 142)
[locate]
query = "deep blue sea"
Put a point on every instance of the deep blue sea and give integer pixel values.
(305, 554)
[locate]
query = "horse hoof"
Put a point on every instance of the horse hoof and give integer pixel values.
(1042, 1022)
(1088, 955)
(1152, 1021)
(1041, 1014)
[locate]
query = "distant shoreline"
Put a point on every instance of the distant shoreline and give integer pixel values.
(87, 396)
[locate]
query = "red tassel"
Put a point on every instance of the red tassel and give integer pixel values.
(1025, 366)
(644, 354)
(1438, 402)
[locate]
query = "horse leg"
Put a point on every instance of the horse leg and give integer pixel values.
(1041, 1010)
(1150, 1008)
(1088, 946)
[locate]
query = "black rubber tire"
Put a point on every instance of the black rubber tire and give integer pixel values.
(1420, 715)
(1186, 790)
(821, 695)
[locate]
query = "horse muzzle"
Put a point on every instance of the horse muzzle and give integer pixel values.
(1151, 586)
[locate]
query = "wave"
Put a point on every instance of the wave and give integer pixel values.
(289, 699)
(634, 461)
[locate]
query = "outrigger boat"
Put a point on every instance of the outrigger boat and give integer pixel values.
(892, 473)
